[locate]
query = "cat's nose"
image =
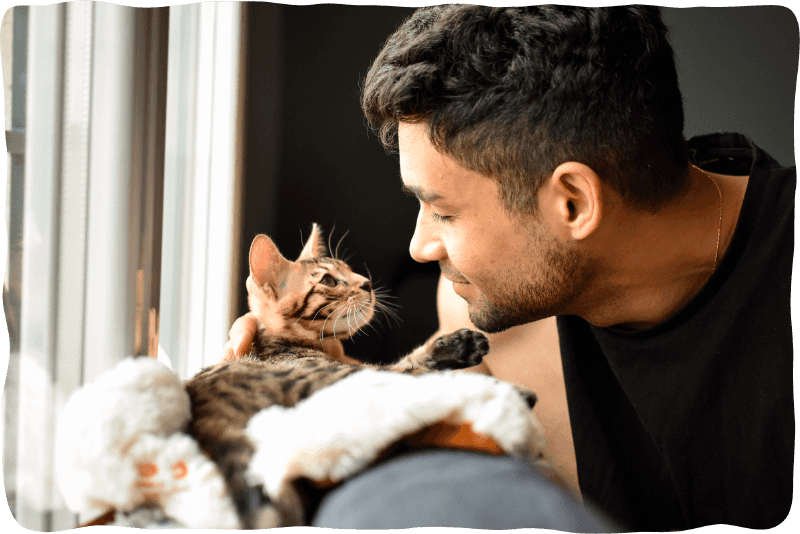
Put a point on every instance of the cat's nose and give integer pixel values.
(366, 286)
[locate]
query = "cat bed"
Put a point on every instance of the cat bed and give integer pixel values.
(341, 430)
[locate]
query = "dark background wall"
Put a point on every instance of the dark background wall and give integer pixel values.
(738, 72)
(309, 157)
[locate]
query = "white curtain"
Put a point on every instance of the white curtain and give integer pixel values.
(79, 278)
(200, 230)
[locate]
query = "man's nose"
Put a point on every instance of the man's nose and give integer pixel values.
(425, 244)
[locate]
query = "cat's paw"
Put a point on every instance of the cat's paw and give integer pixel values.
(527, 394)
(461, 349)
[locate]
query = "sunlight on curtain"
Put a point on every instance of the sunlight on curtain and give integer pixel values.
(199, 182)
(87, 213)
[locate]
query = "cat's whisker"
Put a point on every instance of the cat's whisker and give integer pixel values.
(322, 330)
(337, 318)
(319, 310)
(379, 302)
(356, 317)
(388, 312)
(360, 330)
(364, 319)
(347, 318)
(381, 288)
(388, 305)
(349, 325)
(334, 321)
(375, 315)
(394, 313)
(369, 274)
(376, 283)
(383, 293)
(315, 315)
(357, 307)
(336, 253)
(356, 326)
(379, 320)
(330, 235)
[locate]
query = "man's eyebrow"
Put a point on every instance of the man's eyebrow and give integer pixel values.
(421, 194)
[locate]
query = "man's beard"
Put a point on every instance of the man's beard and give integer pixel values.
(562, 275)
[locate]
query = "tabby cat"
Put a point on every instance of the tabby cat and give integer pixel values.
(304, 308)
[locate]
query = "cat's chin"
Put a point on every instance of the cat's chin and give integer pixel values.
(344, 330)
(348, 324)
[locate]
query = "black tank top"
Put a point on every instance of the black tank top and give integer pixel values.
(691, 422)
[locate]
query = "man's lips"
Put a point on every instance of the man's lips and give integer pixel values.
(455, 280)
(460, 288)
(453, 275)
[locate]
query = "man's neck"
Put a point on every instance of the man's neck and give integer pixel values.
(652, 265)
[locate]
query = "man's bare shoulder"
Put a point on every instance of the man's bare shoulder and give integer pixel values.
(529, 347)
(528, 355)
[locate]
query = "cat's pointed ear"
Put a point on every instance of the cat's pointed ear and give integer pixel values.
(267, 265)
(315, 246)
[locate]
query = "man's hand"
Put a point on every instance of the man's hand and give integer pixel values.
(241, 337)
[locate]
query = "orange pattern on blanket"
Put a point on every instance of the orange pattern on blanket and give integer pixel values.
(453, 436)
(104, 519)
(436, 436)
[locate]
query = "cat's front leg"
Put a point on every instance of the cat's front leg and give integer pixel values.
(459, 350)
(527, 394)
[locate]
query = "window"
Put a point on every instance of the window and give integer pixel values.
(121, 190)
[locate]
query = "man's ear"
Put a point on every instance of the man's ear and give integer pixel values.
(572, 199)
(315, 246)
(267, 266)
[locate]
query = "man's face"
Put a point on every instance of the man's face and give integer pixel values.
(509, 272)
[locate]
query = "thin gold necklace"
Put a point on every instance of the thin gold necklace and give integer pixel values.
(719, 225)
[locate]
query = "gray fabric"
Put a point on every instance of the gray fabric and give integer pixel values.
(442, 488)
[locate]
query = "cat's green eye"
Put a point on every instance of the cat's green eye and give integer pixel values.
(328, 280)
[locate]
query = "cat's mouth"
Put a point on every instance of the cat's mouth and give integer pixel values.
(353, 314)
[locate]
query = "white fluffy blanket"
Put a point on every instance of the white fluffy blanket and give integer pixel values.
(345, 427)
(121, 445)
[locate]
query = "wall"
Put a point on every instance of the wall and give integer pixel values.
(309, 156)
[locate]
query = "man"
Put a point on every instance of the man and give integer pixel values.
(639, 283)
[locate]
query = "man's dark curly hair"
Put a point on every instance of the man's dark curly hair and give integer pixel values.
(514, 92)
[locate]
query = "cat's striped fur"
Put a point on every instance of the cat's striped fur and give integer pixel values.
(303, 308)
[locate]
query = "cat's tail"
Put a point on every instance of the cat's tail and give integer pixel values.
(261, 512)
(231, 452)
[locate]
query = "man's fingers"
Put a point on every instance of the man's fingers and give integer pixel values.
(227, 352)
(241, 335)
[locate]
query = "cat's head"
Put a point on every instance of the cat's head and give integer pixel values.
(313, 297)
